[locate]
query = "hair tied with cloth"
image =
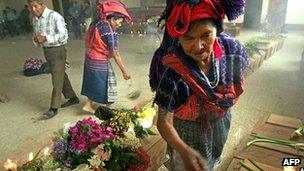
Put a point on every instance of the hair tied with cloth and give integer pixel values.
(108, 7)
(186, 11)
(233, 8)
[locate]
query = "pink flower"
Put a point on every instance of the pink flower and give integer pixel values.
(87, 134)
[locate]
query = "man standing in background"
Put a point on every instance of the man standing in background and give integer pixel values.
(74, 13)
(2, 25)
(11, 21)
(25, 19)
(49, 32)
(86, 14)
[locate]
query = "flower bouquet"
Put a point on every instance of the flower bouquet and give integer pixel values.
(112, 143)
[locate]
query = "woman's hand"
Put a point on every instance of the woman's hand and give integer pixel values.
(126, 75)
(194, 161)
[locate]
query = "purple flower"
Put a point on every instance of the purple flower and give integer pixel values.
(59, 147)
(87, 134)
(74, 130)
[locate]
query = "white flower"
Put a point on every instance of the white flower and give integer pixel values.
(66, 128)
(129, 140)
(95, 161)
(131, 128)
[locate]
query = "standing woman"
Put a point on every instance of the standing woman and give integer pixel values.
(99, 82)
(201, 78)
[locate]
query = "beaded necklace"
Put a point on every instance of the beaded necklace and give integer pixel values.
(216, 74)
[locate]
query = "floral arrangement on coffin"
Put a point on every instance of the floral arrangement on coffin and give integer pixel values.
(111, 144)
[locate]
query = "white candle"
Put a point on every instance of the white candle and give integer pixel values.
(46, 151)
(31, 156)
(289, 168)
(9, 165)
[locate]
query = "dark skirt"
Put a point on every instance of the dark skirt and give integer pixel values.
(99, 82)
(209, 145)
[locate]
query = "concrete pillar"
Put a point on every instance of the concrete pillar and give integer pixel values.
(253, 12)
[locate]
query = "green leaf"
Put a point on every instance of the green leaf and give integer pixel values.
(126, 158)
(246, 167)
(112, 165)
(86, 128)
(256, 165)
(150, 132)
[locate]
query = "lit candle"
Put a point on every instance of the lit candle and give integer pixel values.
(46, 151)
(289, 168)
(10, 166)
(31, 156)
(132, 34)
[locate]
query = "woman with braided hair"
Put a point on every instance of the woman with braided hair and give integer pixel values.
(197, 75)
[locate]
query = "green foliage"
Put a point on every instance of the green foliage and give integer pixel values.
(251, 45)
(104, 113)
(86, 128)
(123, 158)
(121, 119)
(41, 164)
(120, 152)
(259, 138)
(142, 132)
(80, 158)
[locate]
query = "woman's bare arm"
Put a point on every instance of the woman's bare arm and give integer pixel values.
(121, 66)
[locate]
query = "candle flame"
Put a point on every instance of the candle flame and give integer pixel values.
(31, 156)
(9, 161)
(10, 165)
(289, 168)
(46, 151)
